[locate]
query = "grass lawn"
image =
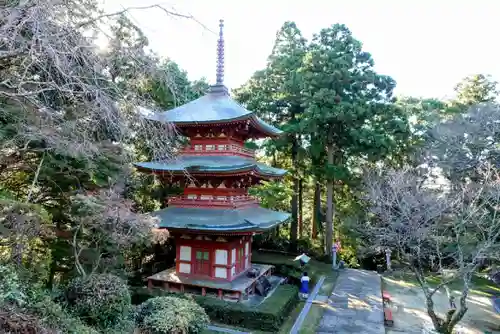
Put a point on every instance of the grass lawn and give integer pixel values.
(480, 285)
(314, 269)
(317, 309)
(312, 319)
(288, 324)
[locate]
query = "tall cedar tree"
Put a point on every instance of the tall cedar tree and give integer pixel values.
(276, 95)
(349, 107)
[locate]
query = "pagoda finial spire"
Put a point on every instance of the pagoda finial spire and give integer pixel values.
(220, 55)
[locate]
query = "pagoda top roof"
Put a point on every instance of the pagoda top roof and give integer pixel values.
(216, 107)
(252, 219)
(212, 164)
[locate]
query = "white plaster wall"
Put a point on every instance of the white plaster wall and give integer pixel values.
(221, 256)
(185, 253)
(233, 271)
(233, 256)
(221, 272)
(185, 268)
(247, 248)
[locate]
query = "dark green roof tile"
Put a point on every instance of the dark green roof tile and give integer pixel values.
(210, 163)
(228, 220)
(211, 108)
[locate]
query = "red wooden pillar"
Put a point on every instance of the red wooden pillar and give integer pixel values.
(229, 262)
(250, 251)
(211, 260)
(178, 242)
(150, 284)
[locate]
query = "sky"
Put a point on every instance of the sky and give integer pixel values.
(426, 46)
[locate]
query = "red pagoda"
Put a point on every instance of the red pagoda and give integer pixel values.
(214, 220)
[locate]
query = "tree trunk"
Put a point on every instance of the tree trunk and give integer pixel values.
(454, 317)
(295, 215)
(294, 200)
(436, 320)
(17, 252)
(330, 209)
(52, 274)
(317, 210)
(301, 193)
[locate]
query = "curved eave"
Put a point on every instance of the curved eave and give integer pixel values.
(241, 228)
(264, 128)
(223, 171)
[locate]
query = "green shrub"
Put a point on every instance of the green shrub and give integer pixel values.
(268, 316)
(126, 326)
(102, 300)
(165, 315)
(56, 317)
(30, 309)
(11, 291)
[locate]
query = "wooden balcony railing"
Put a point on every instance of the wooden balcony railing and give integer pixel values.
(214, 202)
(219, 149)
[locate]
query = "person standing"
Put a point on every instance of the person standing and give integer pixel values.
(304, 285)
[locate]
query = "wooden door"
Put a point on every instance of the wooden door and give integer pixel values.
(202, 262)
(240, 260)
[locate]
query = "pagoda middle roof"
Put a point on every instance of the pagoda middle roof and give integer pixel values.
(251, 219)
(212, 108)
(212, 164)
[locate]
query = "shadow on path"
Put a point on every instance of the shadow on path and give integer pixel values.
(355, 305)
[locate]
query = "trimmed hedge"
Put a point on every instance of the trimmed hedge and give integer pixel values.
(141, 294)
(289, 269)
(268, 316)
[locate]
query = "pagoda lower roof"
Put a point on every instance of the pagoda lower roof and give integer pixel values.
(251, 219)
(212, 164)
(210, 109)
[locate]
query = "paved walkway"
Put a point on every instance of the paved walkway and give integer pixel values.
(355, 305)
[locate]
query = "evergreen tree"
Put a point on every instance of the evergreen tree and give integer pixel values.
(276, 95)
(349, 108)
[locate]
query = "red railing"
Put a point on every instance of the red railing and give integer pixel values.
(241, 201)
(229, 149)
